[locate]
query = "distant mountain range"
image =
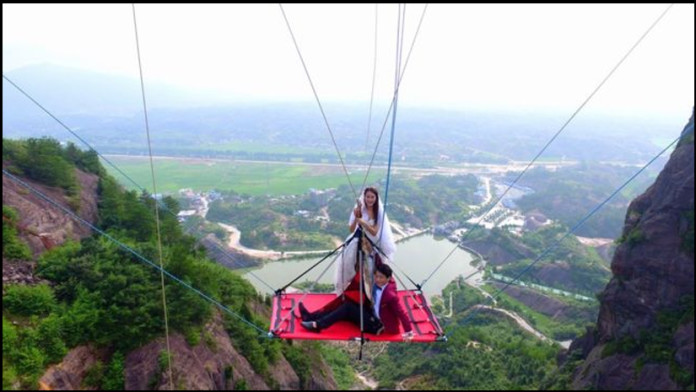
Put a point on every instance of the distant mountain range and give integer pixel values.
(107, 111)
(70, 91)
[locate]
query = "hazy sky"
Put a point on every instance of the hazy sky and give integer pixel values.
(525, 56)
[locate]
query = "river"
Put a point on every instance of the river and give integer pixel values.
(417, 257)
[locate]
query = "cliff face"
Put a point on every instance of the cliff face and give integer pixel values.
(653, 272)
(213, 364)
(42, 225)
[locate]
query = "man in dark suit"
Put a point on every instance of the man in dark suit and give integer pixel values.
(384, 315)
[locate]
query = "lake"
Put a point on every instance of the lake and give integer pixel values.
(417, 257)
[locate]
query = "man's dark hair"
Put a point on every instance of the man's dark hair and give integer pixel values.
(385, 270)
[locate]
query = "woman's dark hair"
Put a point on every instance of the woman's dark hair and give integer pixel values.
(375, 207)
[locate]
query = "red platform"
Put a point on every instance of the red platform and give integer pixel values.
(287, 326)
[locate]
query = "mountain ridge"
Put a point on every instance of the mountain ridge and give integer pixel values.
(644, 337)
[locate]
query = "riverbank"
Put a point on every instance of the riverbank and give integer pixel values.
(234, 243)
(274, 255)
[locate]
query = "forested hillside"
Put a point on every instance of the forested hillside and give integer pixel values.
(569, 193)
(568, 266)
(99, 293)
(484, 351)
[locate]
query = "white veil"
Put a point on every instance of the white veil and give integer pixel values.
(345, 270)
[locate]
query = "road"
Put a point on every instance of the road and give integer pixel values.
(594, 242)
(489, 195)
(522, 323)
(464, 168)
(368, 382)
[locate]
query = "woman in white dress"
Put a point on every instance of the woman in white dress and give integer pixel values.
(369, 215)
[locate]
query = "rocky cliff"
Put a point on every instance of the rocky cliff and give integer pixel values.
(644, 337)
(42, 225)
(213, 364)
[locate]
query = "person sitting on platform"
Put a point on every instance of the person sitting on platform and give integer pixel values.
(382, 315)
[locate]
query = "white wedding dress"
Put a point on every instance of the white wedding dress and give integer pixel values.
(346, 261)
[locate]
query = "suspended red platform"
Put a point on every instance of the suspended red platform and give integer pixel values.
(286, 325)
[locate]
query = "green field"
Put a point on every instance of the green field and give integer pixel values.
(251, 178)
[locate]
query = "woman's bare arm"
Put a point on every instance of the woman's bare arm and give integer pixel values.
(357, 213)
(372, 229)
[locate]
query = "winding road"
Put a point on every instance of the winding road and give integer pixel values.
(522, 323)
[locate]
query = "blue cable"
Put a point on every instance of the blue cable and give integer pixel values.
(580, 223)
(127, 248)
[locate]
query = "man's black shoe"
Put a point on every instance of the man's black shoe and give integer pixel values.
(304, 313)
(310, 325)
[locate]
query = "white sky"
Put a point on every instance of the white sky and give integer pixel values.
(523, 56)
